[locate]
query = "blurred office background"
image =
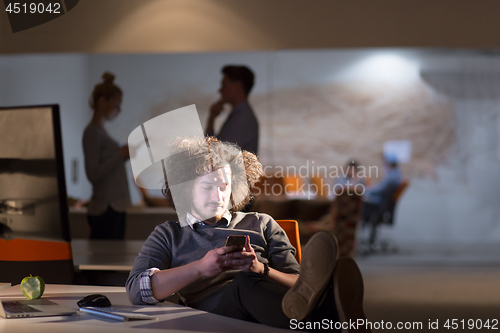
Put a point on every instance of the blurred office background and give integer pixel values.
(316, 108)
(334, 80)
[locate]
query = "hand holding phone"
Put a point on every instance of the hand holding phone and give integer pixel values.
(237, 240)
(243, 257)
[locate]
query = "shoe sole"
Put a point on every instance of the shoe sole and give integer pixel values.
(348, 290)
(316, 271)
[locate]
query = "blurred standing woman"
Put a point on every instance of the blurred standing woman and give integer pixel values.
(105, 165)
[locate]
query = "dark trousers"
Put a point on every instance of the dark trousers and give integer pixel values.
(110, 225)
(256, 298)
(371, 218)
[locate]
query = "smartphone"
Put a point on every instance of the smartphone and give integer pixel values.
(238, 240)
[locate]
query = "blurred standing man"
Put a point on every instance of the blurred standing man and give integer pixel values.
(241, 127)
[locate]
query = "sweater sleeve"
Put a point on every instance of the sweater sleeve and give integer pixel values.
(145, 284)
(95, 169)
(155, 253)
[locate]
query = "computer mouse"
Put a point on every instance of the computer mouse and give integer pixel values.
(94, 300)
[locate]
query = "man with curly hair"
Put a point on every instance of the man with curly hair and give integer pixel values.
(208, 182)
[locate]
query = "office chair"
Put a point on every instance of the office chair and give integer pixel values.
(30, 216)
(53, 261)
(383, 216)
(291, 229)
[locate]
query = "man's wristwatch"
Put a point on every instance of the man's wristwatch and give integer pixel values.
(266, 269)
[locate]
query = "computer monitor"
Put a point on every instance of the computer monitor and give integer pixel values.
(33, 202)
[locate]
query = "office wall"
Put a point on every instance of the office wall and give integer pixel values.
(461, 203)
(325, 106)
(53, 79)
(319, 106)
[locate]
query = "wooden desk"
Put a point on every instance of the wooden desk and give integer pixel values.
(5, 285)
(105, 255)
(140, 221)
(292, 209)
(104, 262)
(171, 317)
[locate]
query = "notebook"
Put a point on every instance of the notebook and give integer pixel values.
(116, 314)
(33, 308)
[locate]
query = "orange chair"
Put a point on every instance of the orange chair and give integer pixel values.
(53, 261)
(291, 228)
(402, 187)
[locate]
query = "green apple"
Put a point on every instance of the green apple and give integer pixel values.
(32, 287)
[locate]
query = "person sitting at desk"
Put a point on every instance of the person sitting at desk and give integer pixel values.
(377, 195)
(259, 282)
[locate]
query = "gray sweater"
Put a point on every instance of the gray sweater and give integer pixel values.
(171, 245)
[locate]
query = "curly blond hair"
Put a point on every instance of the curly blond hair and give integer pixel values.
(194, 157)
